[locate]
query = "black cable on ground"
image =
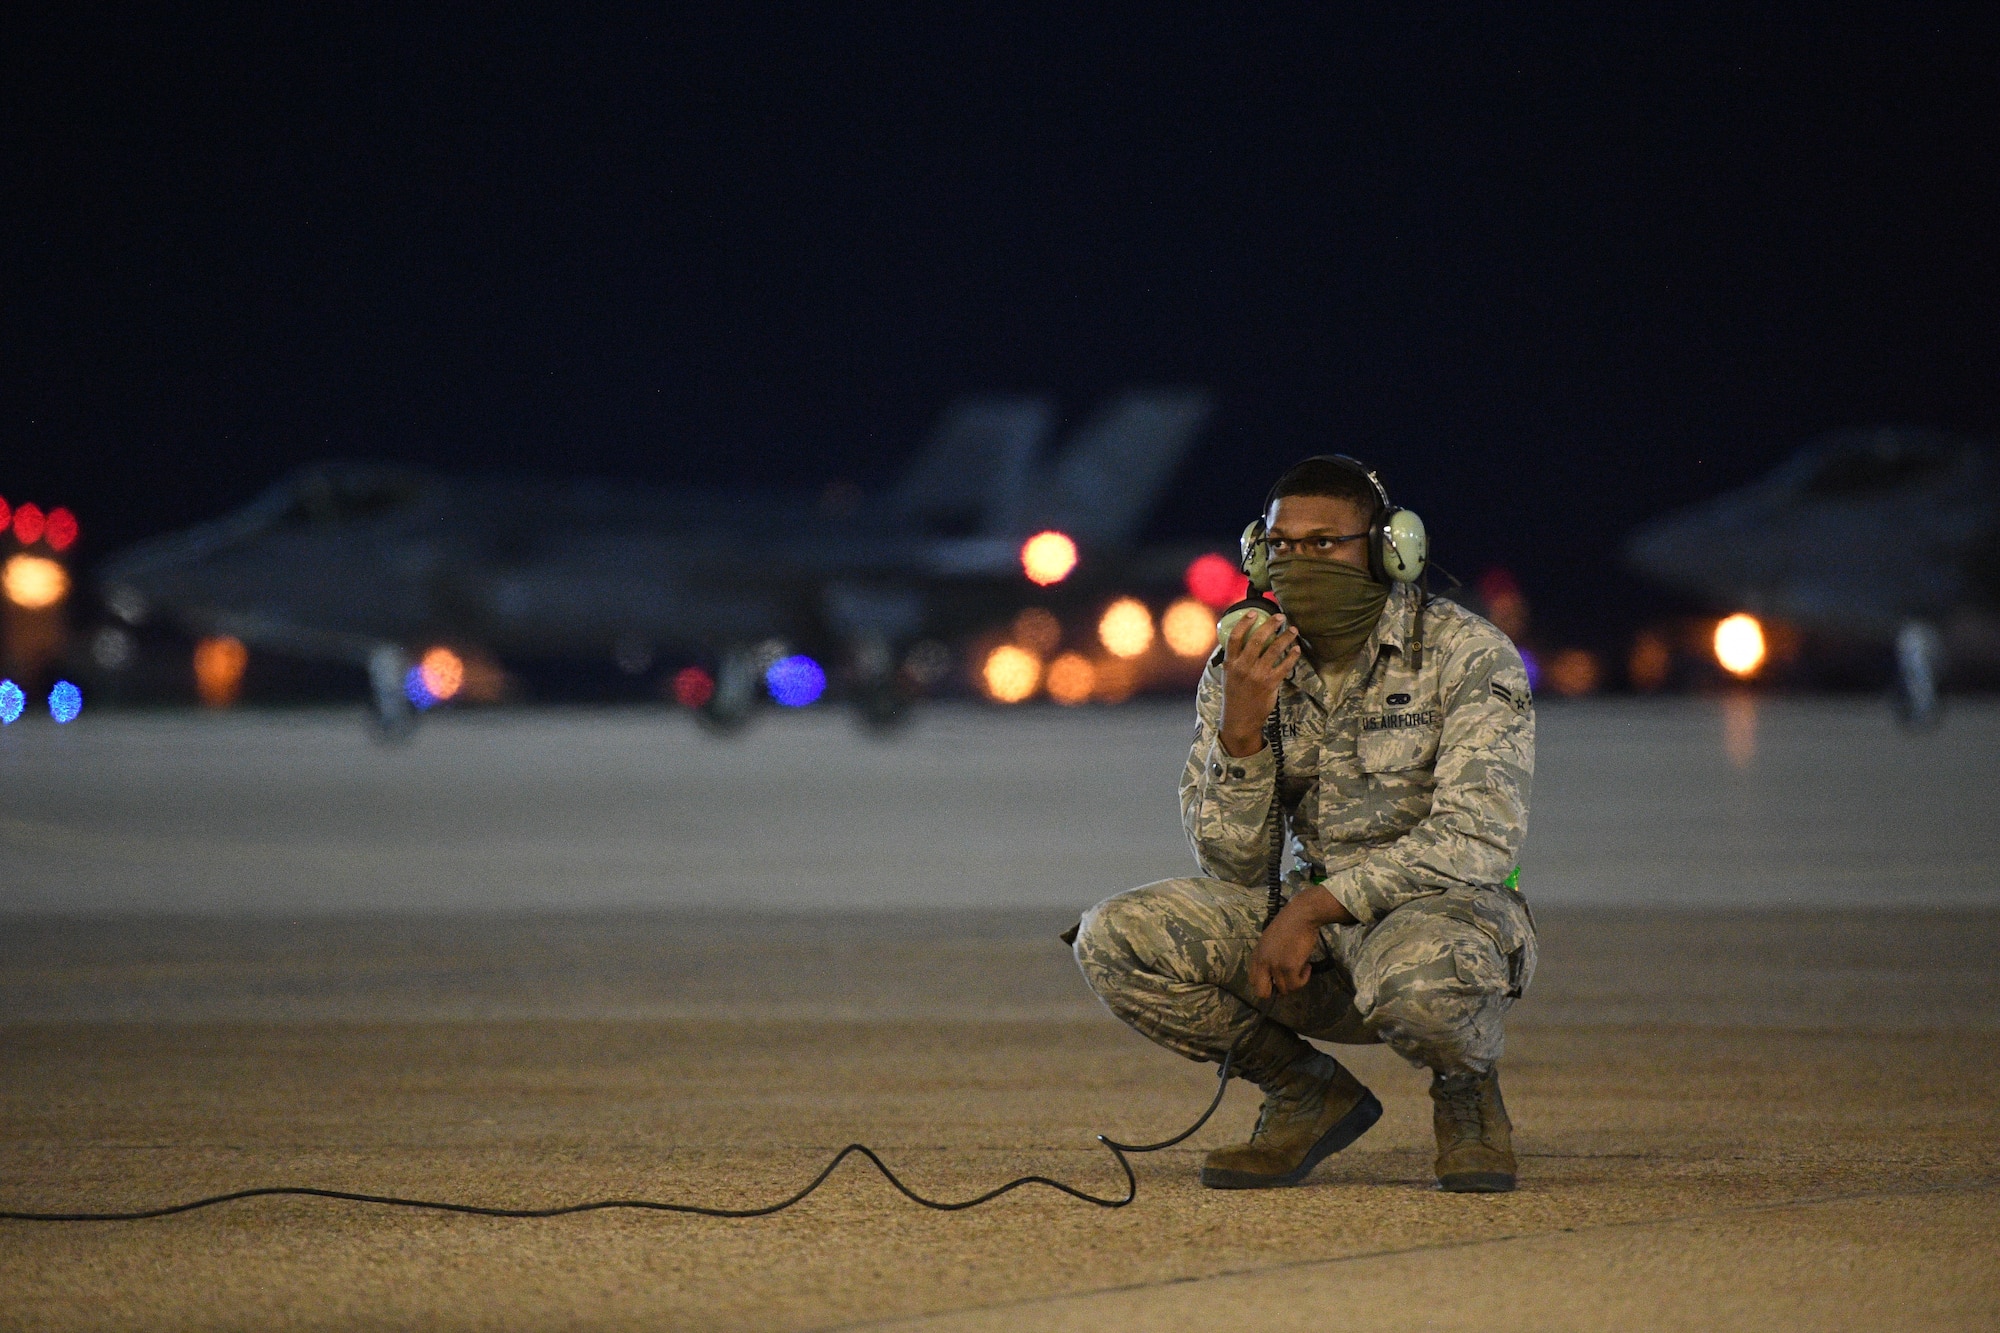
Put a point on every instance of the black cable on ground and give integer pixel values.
(1118, 1150)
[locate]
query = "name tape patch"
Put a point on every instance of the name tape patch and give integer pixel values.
(1418, 717)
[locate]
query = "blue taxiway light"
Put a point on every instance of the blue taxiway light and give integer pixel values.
(416, 691)
(65, 702)
(795, 681)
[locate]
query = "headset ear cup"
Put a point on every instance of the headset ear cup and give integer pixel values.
(1401, 547)
(1256, 561)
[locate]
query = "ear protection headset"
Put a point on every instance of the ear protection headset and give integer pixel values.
(1398, 545)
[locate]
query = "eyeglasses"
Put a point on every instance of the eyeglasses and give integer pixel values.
(1322, 544)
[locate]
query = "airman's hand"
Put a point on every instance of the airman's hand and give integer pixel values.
(1281, 962)
(1260, 653)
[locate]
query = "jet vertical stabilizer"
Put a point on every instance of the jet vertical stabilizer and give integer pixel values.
(1106, 483)
(974, 475)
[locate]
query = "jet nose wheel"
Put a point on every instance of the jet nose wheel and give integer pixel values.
(391, 715)
(735, 698)
(1919, 664)
(392, 723)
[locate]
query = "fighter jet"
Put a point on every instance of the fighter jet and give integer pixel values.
(364, 563)
(1888, 536)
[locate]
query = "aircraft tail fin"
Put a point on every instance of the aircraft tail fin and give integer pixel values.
(1104, 485)
(975, 474)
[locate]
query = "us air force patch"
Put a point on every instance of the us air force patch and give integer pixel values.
(1422, 717)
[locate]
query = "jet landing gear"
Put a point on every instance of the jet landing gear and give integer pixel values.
(392, 716)
(1919, 664)
(737, 679)
(881, 703)
(880, 700)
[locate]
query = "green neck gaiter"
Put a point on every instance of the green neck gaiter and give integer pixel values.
(1333, 605)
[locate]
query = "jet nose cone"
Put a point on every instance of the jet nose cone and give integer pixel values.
(1670, 549)
(1713, 552)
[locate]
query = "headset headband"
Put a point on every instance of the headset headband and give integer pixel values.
(1347, 461)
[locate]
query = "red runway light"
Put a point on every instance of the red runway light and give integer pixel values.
(60, 529)
(1215, 582)
(6, 514)
(1497, 582)
(28, 523)
(1503, 603)
(693, 687)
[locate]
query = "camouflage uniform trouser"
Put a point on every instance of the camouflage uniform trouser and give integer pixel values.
(1433, 979)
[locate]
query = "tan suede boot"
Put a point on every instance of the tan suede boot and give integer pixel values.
(1312, 1109)
(1475, 1137)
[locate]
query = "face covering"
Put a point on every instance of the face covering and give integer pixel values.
(1333, 605)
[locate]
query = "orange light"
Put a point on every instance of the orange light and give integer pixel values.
(1071, 679)
(1189, 628)
(1651, 662)
(1739, 728)
(1048, 557)
(218, 670)
(485, 682)
(1037, 630)
(34, 582)
(443, 672)
(1126, 628)
(1574, 671)
(1010, 674)
(1117, 679)
(1739, 645)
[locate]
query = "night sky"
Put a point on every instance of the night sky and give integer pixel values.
(1552, 271)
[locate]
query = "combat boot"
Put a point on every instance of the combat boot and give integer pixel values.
(1312, 1109)
(1475, 1137)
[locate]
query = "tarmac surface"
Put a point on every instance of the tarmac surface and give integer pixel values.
(539, 958)
(1724, 803)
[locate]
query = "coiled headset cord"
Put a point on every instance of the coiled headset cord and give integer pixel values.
(1274, 884)
(1118, 1150)
(1272, 733)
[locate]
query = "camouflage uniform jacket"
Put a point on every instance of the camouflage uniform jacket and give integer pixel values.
(1401, 779)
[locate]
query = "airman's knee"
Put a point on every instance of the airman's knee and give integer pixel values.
(1148, 929)
(1106, 935)
(1092, 931)
(1444, 1012)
